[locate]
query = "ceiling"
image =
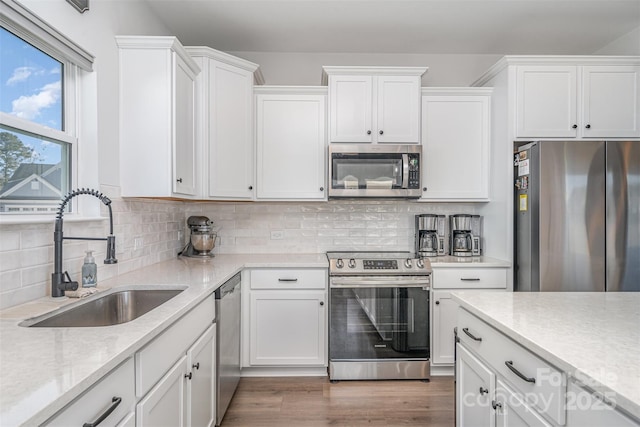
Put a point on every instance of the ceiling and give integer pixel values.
(400, 26)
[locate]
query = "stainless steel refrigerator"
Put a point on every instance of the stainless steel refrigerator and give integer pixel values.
(577, 216)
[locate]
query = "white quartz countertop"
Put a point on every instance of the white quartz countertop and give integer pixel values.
(449, 261)
(592, 336)
(43, 369)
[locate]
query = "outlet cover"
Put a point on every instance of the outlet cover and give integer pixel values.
(277, 235)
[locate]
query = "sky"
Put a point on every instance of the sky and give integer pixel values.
(30, 88)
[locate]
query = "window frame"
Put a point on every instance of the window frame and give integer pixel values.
(22, 23)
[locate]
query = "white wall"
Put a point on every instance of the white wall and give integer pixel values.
(281, 68)
(629, 44)
(94, 31)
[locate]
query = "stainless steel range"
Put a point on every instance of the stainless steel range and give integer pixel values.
(378, 316)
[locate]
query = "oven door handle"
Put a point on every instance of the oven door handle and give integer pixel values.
(344, 282)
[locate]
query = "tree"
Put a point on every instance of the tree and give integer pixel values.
(13, 152)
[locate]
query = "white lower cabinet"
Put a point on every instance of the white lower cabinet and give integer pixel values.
(201, 408)
(165, 404)
(476, 391)
(111, 399)
(445, 310)
(286, 318)
(512, 411)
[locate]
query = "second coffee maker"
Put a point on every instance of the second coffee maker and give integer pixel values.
(465, 235)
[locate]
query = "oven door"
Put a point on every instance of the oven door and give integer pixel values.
(379, 318)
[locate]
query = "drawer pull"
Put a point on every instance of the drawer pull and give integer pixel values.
(495, 405)
(114, 404)
(509, 364)
(473, 337)
(287, 280)
(470, 279)
(483, 391)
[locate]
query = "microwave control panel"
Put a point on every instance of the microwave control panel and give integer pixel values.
(414, 171)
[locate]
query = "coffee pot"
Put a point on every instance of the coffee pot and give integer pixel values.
(430, 235)
(465, 235)
(202, 239)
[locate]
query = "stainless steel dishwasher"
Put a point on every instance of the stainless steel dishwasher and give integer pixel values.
(227, 344)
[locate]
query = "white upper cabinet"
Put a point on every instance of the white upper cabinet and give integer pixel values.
(569, 101)
(157, 121)
(611, 101)
(455, 144)
(374, 105)
(225, 123)
(291, 143)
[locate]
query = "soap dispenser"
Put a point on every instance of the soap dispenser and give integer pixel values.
(89, 271)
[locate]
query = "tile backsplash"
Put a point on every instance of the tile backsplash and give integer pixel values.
(151, 231)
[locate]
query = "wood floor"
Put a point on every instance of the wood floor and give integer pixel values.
(311, 401)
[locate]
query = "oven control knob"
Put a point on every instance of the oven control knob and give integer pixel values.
(407, 263)
(420, 263)
(352, 263)
(339, 263)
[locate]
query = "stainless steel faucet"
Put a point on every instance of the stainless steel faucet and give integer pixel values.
(61, 282)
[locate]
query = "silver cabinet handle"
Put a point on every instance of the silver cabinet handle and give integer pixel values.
(473, 337)
(115, 401)
(287, 280)
(509, 364)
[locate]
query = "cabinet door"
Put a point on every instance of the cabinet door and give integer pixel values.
(455, 128)
(546, 101)
(611, 102)
(397, 109)
(475, 389)
(165, 404)
(231, 157)
(288, 328)
(512, 411)
(291, 145)
(184, 142)
(201, 387)
(350, 108)
(445, 312)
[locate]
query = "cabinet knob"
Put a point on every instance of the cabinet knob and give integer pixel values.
(368, 132)
(483, 390)
(381, 132)
(321, 302)
(437, 302)
(588, 126)
(321, 188)
(196, 366)
(188, 376)
(424, 188)
(495, 405)
(179, 180)
(251, 187)
(575, 126)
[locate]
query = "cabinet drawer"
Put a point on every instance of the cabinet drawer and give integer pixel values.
(541, 384)
(289, 279)
(97, 400)
(466, 278)
(160, 354)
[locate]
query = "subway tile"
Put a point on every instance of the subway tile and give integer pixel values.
(9, 240)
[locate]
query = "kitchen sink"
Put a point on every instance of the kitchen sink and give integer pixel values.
(111, 308)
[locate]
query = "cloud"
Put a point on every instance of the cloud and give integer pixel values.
(21, 74)
(28, 107)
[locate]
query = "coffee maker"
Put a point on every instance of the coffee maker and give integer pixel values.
(202, 239)
(431, 239)
(465, 235)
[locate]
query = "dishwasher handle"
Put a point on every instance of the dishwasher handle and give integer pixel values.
(228, 287)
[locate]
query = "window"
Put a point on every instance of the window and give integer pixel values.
(39, 85)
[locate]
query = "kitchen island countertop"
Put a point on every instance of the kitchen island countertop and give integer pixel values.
(594, 337)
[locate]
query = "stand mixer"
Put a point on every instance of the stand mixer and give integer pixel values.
(202, 239)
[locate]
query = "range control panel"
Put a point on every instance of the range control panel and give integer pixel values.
(380, 264)
(354, 266)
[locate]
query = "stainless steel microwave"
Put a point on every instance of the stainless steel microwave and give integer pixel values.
(375, 170)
